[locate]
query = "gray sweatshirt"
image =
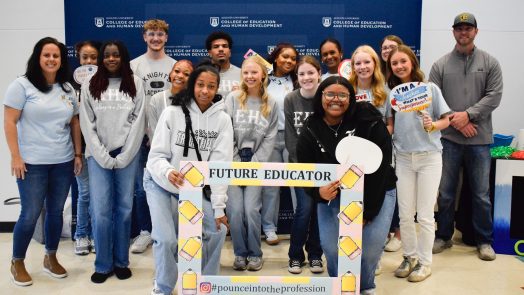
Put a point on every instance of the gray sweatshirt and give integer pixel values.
(154, 109)
(296, 110)
(153, 73)
(214, 135)
(471, 83)
(229, 80)
(251, 128)
(114, 121)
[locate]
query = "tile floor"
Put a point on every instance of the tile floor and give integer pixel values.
(455, 271)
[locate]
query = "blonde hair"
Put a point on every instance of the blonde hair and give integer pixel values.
(264, 108)
(156, 24)
(377, 81)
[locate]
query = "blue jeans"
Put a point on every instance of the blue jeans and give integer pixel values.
(164, 216)
(111, 202)
(83, 215)
(304, 230)
(477, 161)
(271, 194)
(373, 237)
(49, 183)
(141, 216)
(243, 213)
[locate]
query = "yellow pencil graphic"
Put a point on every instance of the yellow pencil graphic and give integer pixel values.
(351, 177)
(191, 247)
(351, 212)
(189, 282)
(189, 211)
(192, 175)
(349, 247)
(348, 284)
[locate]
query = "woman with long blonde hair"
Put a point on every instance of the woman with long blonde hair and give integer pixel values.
(255, 119)
(367, 79)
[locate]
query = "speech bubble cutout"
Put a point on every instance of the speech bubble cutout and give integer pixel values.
(359, 151)
(83, 73)
(410, 97)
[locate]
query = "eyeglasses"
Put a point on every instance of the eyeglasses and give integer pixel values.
(153, 34)
(342, 96)
(390, 47)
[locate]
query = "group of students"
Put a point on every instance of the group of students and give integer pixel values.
(294, 109)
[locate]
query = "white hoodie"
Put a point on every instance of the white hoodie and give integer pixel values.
(214, 134)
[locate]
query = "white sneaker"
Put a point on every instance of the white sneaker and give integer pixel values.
(82, 246)
(156, 290)
(141, 242)
(92, 246)
(272, 238)
(419, 273)
(406, 267)
(393, 245)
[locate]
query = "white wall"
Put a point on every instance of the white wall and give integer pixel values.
(501, 33)
(22, 24)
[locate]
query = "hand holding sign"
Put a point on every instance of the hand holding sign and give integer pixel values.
(413, 97)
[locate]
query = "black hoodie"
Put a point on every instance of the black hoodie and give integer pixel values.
(362, 120)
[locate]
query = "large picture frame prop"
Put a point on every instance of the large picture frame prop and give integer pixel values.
(198, 174)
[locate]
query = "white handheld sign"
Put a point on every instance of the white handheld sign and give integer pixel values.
(344, 68)
(410, 97)
(83, 73)
(359, 151)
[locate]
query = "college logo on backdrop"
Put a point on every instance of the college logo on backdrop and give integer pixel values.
(270, 48)
(326, 22)
(214, 21)
(99, 22)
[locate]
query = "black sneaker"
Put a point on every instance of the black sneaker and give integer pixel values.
(122, 273)
(295, 266)
(315, 266)
(99, 278)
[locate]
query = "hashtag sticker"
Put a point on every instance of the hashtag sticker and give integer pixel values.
(205, 287)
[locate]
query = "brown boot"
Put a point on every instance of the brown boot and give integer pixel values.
(53, 268)
(19, 274)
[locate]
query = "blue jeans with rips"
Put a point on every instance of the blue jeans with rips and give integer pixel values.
(164, 216)
(373, 237)
(304, 230)
(43, 184)
(477, 161)
(83, 214)
(112, 201)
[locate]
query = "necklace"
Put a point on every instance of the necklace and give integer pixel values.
(335, 130)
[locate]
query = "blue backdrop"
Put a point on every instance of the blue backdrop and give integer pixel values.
(257, 25)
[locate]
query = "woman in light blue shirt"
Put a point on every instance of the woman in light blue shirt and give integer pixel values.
(41, 128)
